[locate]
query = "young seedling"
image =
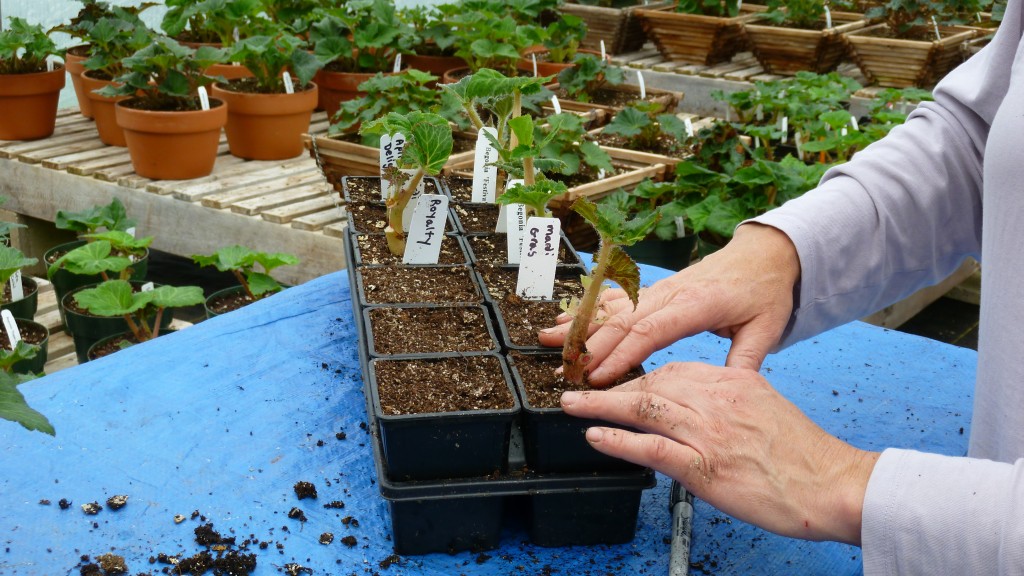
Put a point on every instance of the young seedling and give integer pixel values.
(20, 351)
(642, 126)
(610, 263)
(106, 253)
(534, 196)
(587, 76)
(110, 217)
(13, 406)
(242, 261)
(427, 147)
(117, 298)
(11, 260)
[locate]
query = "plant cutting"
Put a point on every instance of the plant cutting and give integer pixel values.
(241, 262)
(170, 135)
(610, 263)
(266, 115)
(355, 41)
(428, 145)
(589, 76)
(110, 41)
(29, 87)
(142, 311)
(14, 408)
(433, 46)
(642, 128)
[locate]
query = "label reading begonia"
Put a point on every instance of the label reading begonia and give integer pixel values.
(10, 327)
(391, 147)
(515, 223)
(485, 173)
(423, 242)
(17, 288)
(539, 258)
(500, 227)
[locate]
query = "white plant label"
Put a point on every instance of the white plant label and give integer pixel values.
(643, 87)
(10, 327)
(398, 64)
(501, 227)
(600, 174)
(739, 4)
(391, 147)
(17, 288)
(148, 287)
(485, 173)
(843, 131)
(759, 112)
(515, 223)
(688, 124)
(425, 232)
(853, 124)
(604, 53)
(289, 86)
(234, 34)
(799, 149)
(828, 17)
(556, 105)
(728, 113)
(936, 26)
(785, 129)
(204, 98)
(534, 58)
(49, 63)
(757, 143)
(539, 258)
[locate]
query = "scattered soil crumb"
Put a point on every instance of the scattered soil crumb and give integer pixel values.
(481, 558)
(297, 514)
(112, 564)
(117, 502)
(349, 541)
(337, 505)
(92, 508)
(207, 536)
(350, 521)
(44, 502)
(390, 560)
(341, 436)
(179, 518)
(305, 489)
(326, 538)
(295, 569)
(64, 504)
(90, 570)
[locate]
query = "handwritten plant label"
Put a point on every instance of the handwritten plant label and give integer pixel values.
(534, 57)
(485, 173)
(148, 287)
(390, 152)
(688, 124)
(429, 217)
(289, 86)
(515, 223)
(853, 123)
(501, 228)
(785, 129)
(204, 98)
(398, 64)
(539, 258)
(17, 288)
(604, 53)
(643, 86)
(799, 148)
(556, 105)
(10, 327)
(49, 63)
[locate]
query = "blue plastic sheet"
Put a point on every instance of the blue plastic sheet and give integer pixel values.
(225, 417)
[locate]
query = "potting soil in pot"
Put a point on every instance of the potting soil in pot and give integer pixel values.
(400, 284)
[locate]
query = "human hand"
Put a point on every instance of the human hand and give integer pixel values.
(737, 444)
(743, 292)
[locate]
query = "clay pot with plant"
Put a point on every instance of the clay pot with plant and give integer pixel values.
(216, 23)
(267, 114)
(253, 284)
(29, 86)
(559, 46)
(170, 135)
(432, 48)
(497, 46)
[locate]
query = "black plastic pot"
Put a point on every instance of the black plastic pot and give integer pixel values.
(210, 312)
(451, 245)
(360, 213)
(91, 353)
(501, 324)
(555, 441)
(497, 281)
(27, 306)
(467, 290)
(669, 254)
(32, 365)
(476, 318)
(87, 329)
(431, 186)
(64, 281)
(443, 445)
(567, 256)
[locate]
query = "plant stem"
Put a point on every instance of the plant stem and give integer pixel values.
(241, 280)
(156, 322)
(528, 175)
(134, 328)
(574, 353)
(473, 116)
(395, 232)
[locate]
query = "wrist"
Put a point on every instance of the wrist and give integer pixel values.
(774, 246)
(848, 483)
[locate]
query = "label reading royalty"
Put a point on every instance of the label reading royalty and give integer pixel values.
(423, 242)
(515, 223)
(485, 173)
(539, 258)
(10, 327)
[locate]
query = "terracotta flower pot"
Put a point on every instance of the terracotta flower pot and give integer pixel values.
(172, 145)
(545, 68)
(28, 104)
(73, 64)
(436, 65)
(267, 126)
(103, 110)
(229, 71)
(338, 87)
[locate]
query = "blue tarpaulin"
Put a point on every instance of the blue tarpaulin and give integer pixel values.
(218, 422)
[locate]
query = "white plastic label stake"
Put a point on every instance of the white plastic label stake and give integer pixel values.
(501, 227)
(10, 327)
(728, 113)
(539, 259)
(739, 4)
(936, 26)
(391, 147)
(556, 105)
(234, 34)
(289, 86)
(828, 17)
(688, 124)
(204, 98)
(17, 288)
(485, 173)
(515, 223)
(843, 132)
(799, 150)
(148, 287)
(853, 124)
(785, 129)
(429, 217)
(604, 53)
(643, 87)
(49, 63)
(534, 58)
(398, 64)
(759, 113)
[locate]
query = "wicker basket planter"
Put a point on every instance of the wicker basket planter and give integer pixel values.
(697, 39)
(618, 27)
(898, 63)
(782, 50)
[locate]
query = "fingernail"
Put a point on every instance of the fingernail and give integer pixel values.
(570, 398)
(595, 435)
(547, 331)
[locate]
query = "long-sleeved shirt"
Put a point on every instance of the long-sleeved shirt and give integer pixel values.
(903, 214)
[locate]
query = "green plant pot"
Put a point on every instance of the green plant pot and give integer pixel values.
(27, 306)
(64, 281)
(87, 329)
(669, 254)
(210, 313)
(91, 354)
(32, 365)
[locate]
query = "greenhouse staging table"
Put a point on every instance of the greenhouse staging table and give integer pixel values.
(274, 206)
(219, 422)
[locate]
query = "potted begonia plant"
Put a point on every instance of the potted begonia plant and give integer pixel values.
(30, 84)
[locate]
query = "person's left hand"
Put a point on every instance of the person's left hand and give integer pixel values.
(736, 443)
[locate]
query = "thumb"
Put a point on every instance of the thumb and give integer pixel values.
(749, 347)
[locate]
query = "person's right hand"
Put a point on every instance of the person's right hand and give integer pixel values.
(743, 292)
